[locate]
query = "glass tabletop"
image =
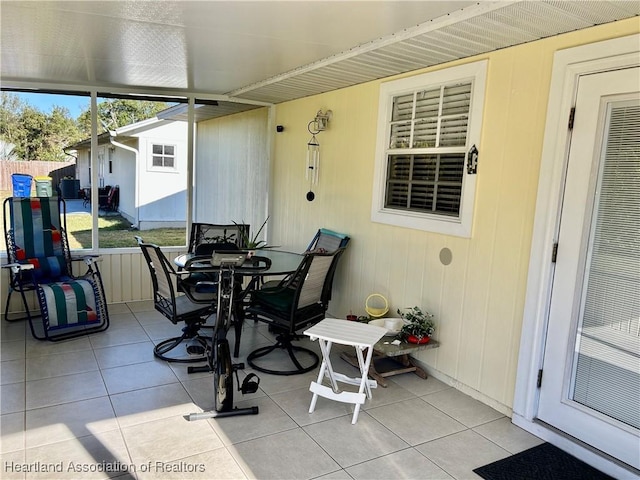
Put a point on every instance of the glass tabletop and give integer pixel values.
(282, 263)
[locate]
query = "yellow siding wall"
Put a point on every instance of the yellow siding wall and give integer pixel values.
(126, 277)
(478, 299)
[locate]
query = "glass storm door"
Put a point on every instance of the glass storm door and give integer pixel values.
(590, 385)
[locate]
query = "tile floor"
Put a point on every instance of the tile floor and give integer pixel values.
(103, 406)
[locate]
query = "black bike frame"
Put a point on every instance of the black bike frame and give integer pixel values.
(220, 362)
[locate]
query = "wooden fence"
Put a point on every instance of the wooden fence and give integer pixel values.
(56, 170)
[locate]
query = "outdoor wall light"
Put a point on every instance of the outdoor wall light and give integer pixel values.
(315, 126)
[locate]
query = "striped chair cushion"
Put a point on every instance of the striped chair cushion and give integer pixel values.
(37, 235)
(48, 267)
(68, 304)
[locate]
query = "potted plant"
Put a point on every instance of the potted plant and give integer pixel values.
(252, 242)
(419, 325)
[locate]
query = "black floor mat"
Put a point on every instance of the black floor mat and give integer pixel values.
(544, 462)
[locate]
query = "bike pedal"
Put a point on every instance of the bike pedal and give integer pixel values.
(238, 366)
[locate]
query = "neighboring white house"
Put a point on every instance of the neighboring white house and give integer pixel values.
(147, 160)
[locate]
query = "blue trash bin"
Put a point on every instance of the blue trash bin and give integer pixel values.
(21, 184)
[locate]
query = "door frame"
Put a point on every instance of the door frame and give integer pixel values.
(568, 66)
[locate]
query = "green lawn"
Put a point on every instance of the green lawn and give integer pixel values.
(114, 232)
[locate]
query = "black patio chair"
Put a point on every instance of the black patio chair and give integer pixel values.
(298, 301)
(206, 238)
(179, 307)
(328, 240)
(324, 240)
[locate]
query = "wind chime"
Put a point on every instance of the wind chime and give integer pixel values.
(315, 126)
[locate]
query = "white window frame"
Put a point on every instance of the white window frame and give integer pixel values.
(460, 225)
(163, 167)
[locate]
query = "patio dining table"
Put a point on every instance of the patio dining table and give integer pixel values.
(278, 263)
(281, 263)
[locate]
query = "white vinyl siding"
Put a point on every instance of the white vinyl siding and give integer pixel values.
(220, 176)
(426, 126)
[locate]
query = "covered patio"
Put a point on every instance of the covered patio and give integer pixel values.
(252, 80)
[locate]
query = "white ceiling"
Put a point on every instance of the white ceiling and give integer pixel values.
(207, 46)
(264, 51)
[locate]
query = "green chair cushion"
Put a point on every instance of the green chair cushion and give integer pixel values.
(280, 299)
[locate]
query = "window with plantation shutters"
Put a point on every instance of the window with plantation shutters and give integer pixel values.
(426, 126)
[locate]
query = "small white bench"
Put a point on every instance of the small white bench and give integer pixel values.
(362, 336)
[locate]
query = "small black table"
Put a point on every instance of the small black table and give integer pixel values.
(280, 263)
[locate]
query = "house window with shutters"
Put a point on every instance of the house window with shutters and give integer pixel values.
(428, 126)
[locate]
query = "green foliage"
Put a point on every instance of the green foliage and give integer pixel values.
(36, 135)
(117, 112)
(417, 323)
(253, 242)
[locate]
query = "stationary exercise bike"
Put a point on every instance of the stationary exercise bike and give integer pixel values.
(219, 354)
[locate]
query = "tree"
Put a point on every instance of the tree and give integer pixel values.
(36, 135)
(32, 136)
(10, 129)
(60, 131)
(118, 112)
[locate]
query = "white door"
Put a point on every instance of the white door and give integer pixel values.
(591, 371)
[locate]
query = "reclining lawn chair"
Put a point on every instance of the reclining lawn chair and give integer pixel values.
(40, 261)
